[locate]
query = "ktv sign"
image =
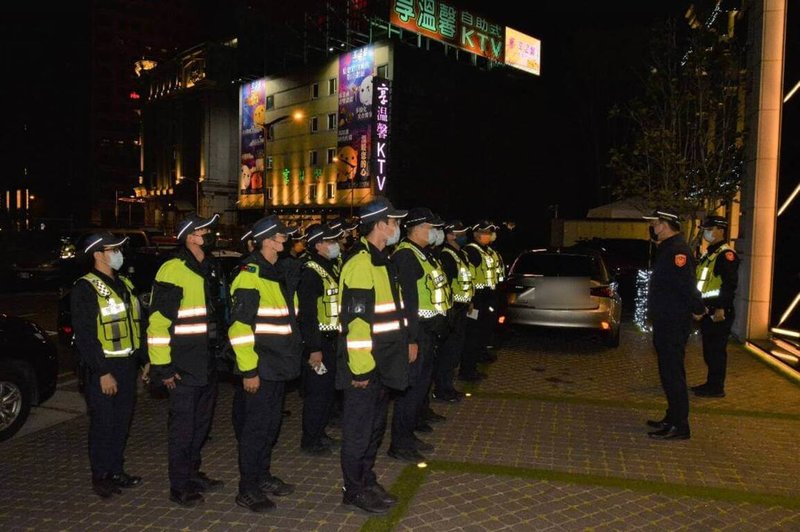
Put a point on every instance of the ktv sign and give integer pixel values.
(381, 133)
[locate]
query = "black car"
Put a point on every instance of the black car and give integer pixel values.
(28, 371)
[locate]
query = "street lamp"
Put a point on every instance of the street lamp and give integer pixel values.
(297, 116)
(196, 182)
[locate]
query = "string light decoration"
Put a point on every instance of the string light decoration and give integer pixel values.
(642, 293)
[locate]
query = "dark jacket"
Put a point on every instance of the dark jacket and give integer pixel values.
(309, 291)
(727, 267)
(674, 296)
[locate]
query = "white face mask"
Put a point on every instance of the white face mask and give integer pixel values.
(395, 237)
(116, 260)
(708, 235)
(431, 236)
(439, 237)
(333, 251)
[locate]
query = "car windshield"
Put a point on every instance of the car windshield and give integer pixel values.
(559, 265)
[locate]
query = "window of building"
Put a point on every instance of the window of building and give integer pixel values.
(383, 71)
(314, 91)
(312, 158)
(271, 101)
(331, 190)
(269, 193)
(312, 191)
(332, 86)
(332, 121)
(331, 155)
(314, 124)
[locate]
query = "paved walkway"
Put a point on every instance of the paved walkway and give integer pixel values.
(553, 440)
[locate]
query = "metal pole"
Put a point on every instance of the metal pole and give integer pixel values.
(264, 130)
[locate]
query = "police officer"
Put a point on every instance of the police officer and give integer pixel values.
(264, 336)
(374, 353)
(106, 318)
(182, 340)
(318, 296)
(673, 301)
(346, 240)
(480, 321)
(456, 267)
(425, 292)
(717, 278)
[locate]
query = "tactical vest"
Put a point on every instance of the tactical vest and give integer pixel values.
(486, 273)
(500, 269)
(118, 323)
(328, 302)
(461, 286)
(708, 283)
(433, 289)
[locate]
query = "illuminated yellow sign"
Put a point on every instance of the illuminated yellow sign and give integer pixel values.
(523, 51)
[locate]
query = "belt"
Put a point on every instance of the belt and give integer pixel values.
(330, 334)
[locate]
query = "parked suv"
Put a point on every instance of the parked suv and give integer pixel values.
(562, 287)
(28, 371)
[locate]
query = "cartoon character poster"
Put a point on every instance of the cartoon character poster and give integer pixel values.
(253, 112)
(355, 118)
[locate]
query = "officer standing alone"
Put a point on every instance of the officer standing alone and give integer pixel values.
(107, 321)
(717, 279)
(673, 301)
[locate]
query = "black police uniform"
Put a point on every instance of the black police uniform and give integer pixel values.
(479, 331)
(673, 299)
(110, 416)
(715, 334)
(453, 345)
(319, 391)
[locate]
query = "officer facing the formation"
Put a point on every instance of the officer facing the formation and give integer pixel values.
(426, 295)
(480, 321)
(264, 336)
(183, 337)
(318, 296)
(373, 352)
(107, 322)
(456, 267)
(673, 301)
(717, 278)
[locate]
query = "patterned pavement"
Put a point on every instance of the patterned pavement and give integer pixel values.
(553, 440)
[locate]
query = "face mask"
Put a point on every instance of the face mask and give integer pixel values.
(394, 238)
(461, 240)
(116, 260)
(431, 236)
(708, 235)
(493, 238)
(333, 251)
(653, 235)
(439, 237)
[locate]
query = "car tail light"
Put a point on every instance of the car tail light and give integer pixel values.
(67, 329)
(602, 291)
(501, 320)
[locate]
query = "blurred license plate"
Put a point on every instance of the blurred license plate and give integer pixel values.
(24, 275)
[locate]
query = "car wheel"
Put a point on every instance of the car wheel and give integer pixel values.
(15, 401)
(611, 339)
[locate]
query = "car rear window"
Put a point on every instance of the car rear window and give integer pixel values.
(559, 265)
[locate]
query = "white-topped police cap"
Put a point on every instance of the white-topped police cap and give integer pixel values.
(484, 225)
(668, 215)
(379, 208)
(101, 242)
(319, 232)
(715, 221)
(343, 224)
(267, 227)
(454, 226)
(422, 215)
(192, 223)
(296, 232)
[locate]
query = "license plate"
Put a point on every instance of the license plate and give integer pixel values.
(24, 275)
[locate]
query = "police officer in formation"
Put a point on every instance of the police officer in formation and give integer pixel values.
(673, 301)
(717, 279)
(265, 337)
(182, 337)
(318, 296)
(106, 318)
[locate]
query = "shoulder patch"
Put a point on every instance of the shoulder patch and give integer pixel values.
(680, 260)
(730, 255)
(247, 268)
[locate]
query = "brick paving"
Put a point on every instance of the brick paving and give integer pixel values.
(567, 413)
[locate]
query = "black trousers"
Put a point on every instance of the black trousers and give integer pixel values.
(715, 349)
(451, 349)
(319, 392)
(110, 418)
(478, 332)
(363, 424)
(191, 409)
(669, 339)
(261, 424)
(409, 404)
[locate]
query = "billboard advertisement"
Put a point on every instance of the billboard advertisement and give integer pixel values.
(447, 23)
(523, 51)
(252, 112)
(355, 118)
(381, 132)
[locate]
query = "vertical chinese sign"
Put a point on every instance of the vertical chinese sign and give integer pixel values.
(446, 23)
(252, 113)
(382, 115)
(355, 118)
